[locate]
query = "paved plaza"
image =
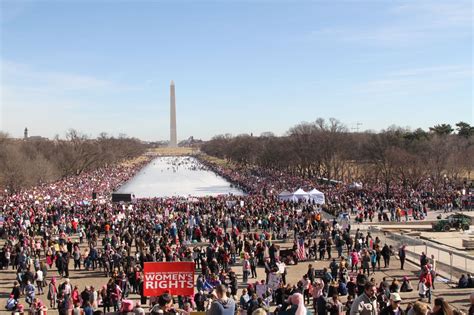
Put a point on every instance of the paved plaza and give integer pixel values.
(459, 298)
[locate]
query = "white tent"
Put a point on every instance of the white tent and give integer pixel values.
(300, 194)
(286, 196)
(316, 196)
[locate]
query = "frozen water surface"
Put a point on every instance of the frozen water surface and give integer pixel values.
(177, 176)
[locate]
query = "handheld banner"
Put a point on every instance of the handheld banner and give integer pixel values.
(176, 278)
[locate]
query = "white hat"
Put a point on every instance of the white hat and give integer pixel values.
(395, 297)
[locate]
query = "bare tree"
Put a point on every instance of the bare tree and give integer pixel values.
(326, 149)
(31, 162)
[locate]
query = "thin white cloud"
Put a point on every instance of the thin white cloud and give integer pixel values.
(411, 22)
(447, 70)
(27, 77)
(406, 81)
(453, 13)
(47, 116)
(29, 96)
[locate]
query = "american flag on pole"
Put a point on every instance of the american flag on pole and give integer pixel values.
(301, 251)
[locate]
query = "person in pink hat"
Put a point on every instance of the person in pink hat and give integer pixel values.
(406, 285)
(297, 302)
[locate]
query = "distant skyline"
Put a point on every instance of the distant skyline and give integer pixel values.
(239, 66)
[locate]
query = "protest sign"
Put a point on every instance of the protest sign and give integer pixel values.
(274, 280)
(176, 278)
(260, 289)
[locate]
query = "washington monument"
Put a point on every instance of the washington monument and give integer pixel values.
(173, 136)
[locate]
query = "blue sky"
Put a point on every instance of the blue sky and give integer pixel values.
(239, 66)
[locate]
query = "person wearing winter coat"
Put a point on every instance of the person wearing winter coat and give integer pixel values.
(222, 305)
(366, 303)
(52, 295)
(394, 307)
(29, 293)
(406, 285)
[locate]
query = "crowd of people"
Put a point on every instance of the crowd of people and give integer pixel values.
(53, 228)
(369, 202)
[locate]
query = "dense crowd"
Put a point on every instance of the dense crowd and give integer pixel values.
(61, 225)
(369, 203)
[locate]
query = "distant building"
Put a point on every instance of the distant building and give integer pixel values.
(32, 138)
(37, 138)
(190, 142)
(159, 144)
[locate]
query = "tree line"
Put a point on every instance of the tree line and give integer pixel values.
(25, 163)
(326, 149)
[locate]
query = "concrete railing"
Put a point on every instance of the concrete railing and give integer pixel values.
(449, 263)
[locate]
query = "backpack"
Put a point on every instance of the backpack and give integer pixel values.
(11, 304)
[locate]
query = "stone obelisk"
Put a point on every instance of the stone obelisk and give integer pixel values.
(173, 136)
